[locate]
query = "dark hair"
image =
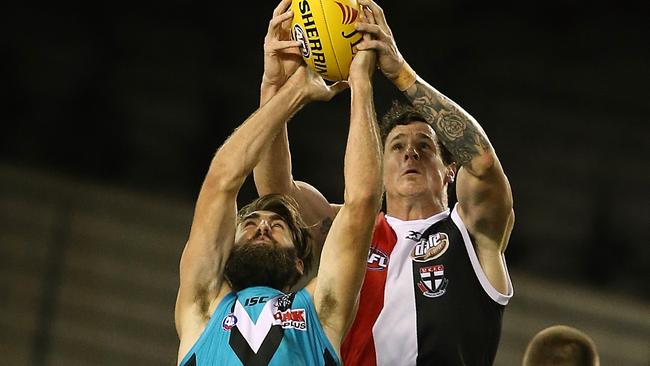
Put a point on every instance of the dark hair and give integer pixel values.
(287, 208)
(401, 113)
(561, 345)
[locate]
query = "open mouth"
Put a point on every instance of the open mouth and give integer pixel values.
(262, 239)
(411, 171)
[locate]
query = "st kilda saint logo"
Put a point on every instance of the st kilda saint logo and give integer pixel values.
(432, 281)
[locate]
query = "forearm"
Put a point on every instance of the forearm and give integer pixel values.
(267, 91)
(458, 131)
(362, 168)
(273, 172)
(237, 157)
(346, 249)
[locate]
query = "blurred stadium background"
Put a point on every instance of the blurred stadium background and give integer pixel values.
(111, 116)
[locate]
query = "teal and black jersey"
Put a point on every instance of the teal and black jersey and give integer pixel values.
(263, 326)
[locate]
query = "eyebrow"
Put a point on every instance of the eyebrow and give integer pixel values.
(428, 137)
(399, 135)
(418, 134)
(256, 215)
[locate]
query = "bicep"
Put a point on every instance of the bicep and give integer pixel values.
(342, 269)
(485, 202)
(202, 262)
(314, 207)
(317, 213)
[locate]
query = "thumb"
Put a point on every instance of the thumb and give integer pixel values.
(339, 86)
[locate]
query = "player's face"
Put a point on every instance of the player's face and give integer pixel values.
(264, 254)
(412, 162)
(264, 228)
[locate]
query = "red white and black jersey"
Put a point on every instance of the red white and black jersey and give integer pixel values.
(425, 299)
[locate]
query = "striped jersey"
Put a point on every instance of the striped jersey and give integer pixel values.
(263, 326)
(425, 299)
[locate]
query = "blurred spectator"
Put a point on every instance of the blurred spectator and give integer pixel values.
(561, 345)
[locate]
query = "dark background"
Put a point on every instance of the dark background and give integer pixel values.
(140, 96)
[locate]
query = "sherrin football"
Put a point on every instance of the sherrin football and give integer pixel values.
(325, 29)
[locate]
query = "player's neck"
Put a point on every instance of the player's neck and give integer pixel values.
(413, 208)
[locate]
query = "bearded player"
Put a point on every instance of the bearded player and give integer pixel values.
(236, 271)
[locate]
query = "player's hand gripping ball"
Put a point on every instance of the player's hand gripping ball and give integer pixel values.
(326, 31)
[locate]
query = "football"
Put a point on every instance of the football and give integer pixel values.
(325, 29)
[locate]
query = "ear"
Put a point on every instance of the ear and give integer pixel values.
(450, 173)
(300, 266)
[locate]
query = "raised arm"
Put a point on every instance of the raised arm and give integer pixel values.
(483, 192)
(273, 173)
(343, 260)
(213, 227)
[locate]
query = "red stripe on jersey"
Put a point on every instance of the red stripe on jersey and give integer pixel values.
(358, 348)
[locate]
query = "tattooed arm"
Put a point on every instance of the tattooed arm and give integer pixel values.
(484, 195)
(456, 129)
(482, 188)
(483, 192)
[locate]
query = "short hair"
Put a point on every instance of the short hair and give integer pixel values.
(561, 345)
(401, 113)
(287, 208)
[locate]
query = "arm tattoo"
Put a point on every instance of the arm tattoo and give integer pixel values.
(460, 134)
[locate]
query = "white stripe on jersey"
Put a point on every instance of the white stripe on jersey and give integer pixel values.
(478, 270)
(395, 331)
(255, 332)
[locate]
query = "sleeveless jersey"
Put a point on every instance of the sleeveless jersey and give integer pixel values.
(263, 326)
(425, 299)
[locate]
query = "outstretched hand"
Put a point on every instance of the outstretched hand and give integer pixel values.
(281, 55)
(364, 61)
(313, 86)
(388, 56)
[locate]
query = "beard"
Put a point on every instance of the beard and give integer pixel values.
(251, 264)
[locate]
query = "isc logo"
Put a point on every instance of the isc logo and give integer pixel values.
(256, 300)
(377, 260)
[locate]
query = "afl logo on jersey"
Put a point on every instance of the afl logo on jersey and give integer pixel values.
(229, 322)
(430, 248)
(377, 260)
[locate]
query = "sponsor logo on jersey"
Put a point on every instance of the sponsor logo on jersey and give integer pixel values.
(291, 319)
(377, 260)
(430, 248)
(432, 281)
(414, 235)
(256, 300)
(229, 322)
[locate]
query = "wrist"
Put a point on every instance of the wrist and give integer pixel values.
(405, 77)
(268, 86)
(360, 83)
(296, 89)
